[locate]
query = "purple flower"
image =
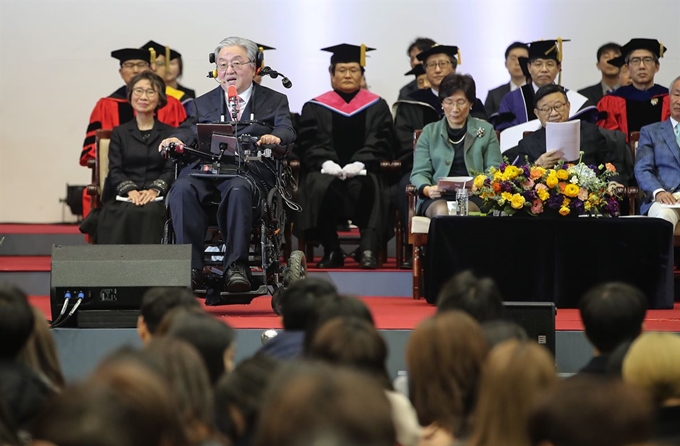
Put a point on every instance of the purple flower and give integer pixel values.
(611, 207)
(506, 186)
(529, 195)
(527, 171)
(555, 201)
(577, 205)
(502, 167)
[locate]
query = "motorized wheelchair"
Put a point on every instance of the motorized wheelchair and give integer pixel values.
(268, 276)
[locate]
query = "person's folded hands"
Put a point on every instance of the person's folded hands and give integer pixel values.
(353, 169)
(332, 168)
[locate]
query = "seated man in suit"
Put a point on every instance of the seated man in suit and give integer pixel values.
(517, 77)
(657, 162)
(418, 46)
(552, 105)
(344, 134)
(543, 66)
(610, 73)
(631, 107)
(235, 58)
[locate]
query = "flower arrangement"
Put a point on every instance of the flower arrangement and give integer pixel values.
(566, 189)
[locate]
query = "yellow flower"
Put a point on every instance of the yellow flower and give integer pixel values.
(506, 196)
(571, 190)
(562, 174)
(492, 170)
(511, 172)
(551, 181)
(517, 201)
(479, 181)
(497, 176)
(566, 201)
(543, 194)
(564, 211)
(587, 205)
(501, 202)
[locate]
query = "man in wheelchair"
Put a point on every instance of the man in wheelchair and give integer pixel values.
(257, 111)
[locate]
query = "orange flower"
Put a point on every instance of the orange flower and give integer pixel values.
(536, 172)
(496, 187)
(610, 167)
(571, 190)
(562, 186)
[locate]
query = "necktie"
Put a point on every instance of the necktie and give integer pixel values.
(241, 106)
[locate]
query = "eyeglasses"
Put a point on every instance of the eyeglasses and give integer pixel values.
(236, 65)
(538, 63)
(637, 60)
(460, 103)
(441, 64)
(140, 91)
(131, 65)
(557, 107)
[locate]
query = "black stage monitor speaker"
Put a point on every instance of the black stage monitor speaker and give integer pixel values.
(110, 280)
(537, 319)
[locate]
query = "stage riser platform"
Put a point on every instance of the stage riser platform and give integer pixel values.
(81, 350)
(36, 244)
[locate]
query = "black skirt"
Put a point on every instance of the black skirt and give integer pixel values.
(123, 223)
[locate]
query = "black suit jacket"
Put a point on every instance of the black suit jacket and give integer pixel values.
(593, 93)
(494, 98)
(265, 104)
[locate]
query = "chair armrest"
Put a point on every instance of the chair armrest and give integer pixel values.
(91, 163)
(411, 193)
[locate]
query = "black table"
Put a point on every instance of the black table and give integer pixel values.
(553, 259)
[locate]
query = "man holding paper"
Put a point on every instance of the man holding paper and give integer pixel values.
(561, 139)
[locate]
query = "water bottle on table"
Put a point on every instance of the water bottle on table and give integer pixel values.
(462, 200)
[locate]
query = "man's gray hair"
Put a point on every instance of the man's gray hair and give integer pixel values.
(670, 87)
(248, 45)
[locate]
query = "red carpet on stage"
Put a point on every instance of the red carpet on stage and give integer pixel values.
(391, 313)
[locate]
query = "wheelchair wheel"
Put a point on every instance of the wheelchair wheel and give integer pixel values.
(296, 269)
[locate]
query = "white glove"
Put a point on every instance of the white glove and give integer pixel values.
(332, 168)
(353, 169)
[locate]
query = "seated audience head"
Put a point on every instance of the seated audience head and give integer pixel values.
(313, 400)
(641, 56)
(457, 93)
(421, 77)
(352, 343)
(239, 397)
(612, 313)
(17, 321)
(156, 303)
(478, 297)
(616, 357)
(9, 435)
(674, 94)
(497, 331)
(544, 62)
(175, 68)
(213, 339)
(439, 61)
(512, 55)
(605, 53)
(347, 66)
(40, 353)
(589, 411)
(123, 404)
(161, 64)
(188, 383)
(624, 76)
(146, 92)
(515, 375)
(235, 60)
(653, 363)
(132, 62)
(331, 307)
(444, 357)
(416, 47)
(297, 301)
(551, 104)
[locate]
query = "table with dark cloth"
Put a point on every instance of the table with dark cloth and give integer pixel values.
(553, 259)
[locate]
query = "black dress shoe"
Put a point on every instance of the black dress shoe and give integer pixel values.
(237, 279)
(368, 260)
(332, 259)
(408, 260)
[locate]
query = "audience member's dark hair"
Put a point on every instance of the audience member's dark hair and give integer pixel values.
(159, 301)
(40, 353)
(297, 301)
(616, 357)
(590, 411)
(353, 343)
(157, 83)
(611, 46)
(315, 400)
(123, 404)
(422, 43)
(480, 298)
(444, 356)
(209, 336)
(332, 307)
(8, 430)
(16, 321)
(612, 313)
(516, 45)
(458, 82)
(243, 390)
(549, 89)
(498, 331)
(189, 385)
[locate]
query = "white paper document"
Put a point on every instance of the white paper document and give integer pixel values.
(453, 183)
(564, 136)
(511, 136)
(119, 198)
(670, 206)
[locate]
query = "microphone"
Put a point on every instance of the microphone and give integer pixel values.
(267, 71)
(232, 97)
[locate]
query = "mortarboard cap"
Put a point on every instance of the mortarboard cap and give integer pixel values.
(125, 54)
(418, 70)
(652, 45)
(157, 50)
(345, 53)
(264, 47)
(450, 50)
